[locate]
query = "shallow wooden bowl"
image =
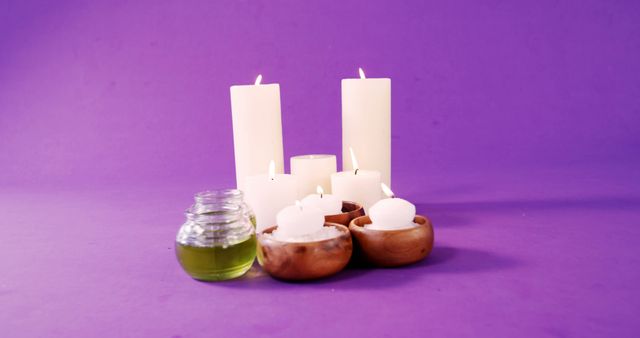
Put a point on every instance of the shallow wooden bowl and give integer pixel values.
(389, 248)
(350, 210)
(305, 260)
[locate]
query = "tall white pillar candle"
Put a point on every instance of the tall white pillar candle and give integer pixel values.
(257, 129)
(366, 124)
(267, 194)
(313, 171)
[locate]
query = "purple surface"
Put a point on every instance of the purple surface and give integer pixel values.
(516, 128)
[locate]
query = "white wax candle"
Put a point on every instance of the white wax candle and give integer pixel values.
(257, 129)
(327, 203)
(391, 213)
(267, 194)
(362, 187)
(366, 124)
(313, 171)
(297, 220)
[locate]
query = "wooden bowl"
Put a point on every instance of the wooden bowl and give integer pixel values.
(388, 248)
(350, 210)
(304, 260)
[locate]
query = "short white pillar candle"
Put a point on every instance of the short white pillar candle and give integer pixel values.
(268, 193)
(312, 171)
(361, 186)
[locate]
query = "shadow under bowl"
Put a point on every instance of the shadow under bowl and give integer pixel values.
(304, 260)
(350, 211)
(389, 248)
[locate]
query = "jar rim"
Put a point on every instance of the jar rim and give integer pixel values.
(223, 212)
(219, 192)
(216, 195)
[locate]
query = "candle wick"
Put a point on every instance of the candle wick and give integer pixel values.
(356, 173)
(320, 195)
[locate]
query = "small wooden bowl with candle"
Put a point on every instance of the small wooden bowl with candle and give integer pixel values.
(389, 248)
(304, 260)
(392, 234)
(303, 246)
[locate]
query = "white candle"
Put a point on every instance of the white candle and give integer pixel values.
(361, 186)
(298, 220)
(327, 203)
(257, 128)
(267, 194)
(366, 124)
(313, 171)
(391, 213)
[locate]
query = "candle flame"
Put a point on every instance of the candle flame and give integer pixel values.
(258, 79)
(298, 204)
(387, 191)
(361, 73)
(354, 161)
(320, 191)
(272, 169)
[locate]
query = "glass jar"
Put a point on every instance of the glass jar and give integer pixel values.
(218, 240)
(233, 196)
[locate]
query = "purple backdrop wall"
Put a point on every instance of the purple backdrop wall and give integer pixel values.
(103, 92)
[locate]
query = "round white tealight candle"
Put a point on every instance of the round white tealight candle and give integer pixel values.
(328, 204)
(296, 220)
(268, 194)
(360, 186)
(391, 213)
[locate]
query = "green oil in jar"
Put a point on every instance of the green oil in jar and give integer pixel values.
(217, 262)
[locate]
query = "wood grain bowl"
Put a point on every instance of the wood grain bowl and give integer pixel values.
(390, 248)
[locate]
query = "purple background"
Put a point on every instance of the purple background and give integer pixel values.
(516, 128)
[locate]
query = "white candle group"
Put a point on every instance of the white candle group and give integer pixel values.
(257, 129)
(366, 124)
(366, 130)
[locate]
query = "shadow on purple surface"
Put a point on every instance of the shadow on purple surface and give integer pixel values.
(443, 260)
(596, 202)
(457, 213)
(446, 259)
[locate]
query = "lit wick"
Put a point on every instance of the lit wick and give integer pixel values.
(361, 73)
(258, 79)
(354, 162)
(272, 170)
(299, 205)
(320, 191)
(387, 191)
